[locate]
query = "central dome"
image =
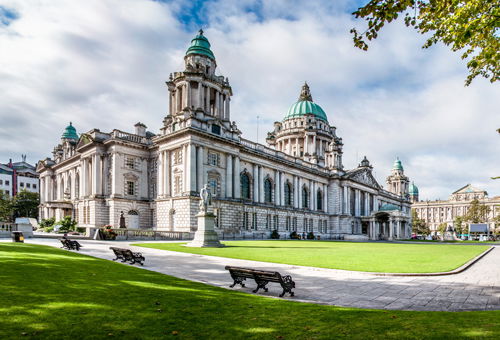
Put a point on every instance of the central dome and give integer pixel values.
(306, 106)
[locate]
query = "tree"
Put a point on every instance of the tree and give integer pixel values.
(459, 225)
(6, 210)
(477, 212)
(469, 26)
(442, 229)
(25, 204)
(419, 226)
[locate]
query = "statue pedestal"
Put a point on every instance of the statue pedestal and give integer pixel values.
(205, 236)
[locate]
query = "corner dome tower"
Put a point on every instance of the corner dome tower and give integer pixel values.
(200, 45)
(70, 132)
(305, 106)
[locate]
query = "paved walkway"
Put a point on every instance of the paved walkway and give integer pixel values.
(477, 288)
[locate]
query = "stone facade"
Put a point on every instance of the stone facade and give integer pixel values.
(296, 183)
(436, 212)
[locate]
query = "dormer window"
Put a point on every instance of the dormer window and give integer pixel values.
(216, 129)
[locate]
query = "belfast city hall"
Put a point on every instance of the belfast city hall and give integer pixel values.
(296, 182)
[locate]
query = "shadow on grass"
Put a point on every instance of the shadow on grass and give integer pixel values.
(59, 294)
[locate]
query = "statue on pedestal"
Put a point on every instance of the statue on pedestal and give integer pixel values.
(206, 199)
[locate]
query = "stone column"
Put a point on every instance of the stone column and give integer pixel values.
(325, 198)
(295, 192)
(314, 203)
(391, 229)
(207, 101)
(200, 95)
(229, 176)
(236, 182)
(227, 116)
(276, 188)
(311, 195)
(166, 174)
(261, 185)
(314, 144)
(191, 168)
(282, 191)
(200, 168)
(159, 176)
(306, 144)
(299, 190)
(216, 109)
(255, 183)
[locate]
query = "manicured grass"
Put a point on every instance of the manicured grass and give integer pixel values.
(49, 293)
(359, 256)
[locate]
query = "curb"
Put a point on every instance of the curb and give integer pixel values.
(455, 271)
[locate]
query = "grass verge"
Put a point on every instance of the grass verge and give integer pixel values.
(358, 256)
(49, 293)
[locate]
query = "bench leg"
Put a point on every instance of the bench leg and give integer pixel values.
(261, 284)
(238, 281)
(287, 290)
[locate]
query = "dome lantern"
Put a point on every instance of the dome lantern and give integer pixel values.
(305, 106)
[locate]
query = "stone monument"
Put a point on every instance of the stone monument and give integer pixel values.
(205, 236)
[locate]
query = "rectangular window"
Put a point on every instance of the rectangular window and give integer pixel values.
(34, 186)
(7, 182)
(246, 220)
(7, 192)
(254, 221)
(21, 184)
(28, 185)
(212, 186)
(362, 203)
(287, 226)
(130, 188)
(276, 222)
(268, 221)
(1, 182)
(213, 159)
(311, 225)
(177, 157)
(352, 202)
(129, 162)
(294, 224)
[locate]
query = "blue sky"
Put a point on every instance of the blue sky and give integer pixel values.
(103, 64)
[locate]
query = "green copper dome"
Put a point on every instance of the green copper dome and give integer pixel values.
(397, 165)
(413, 190)
(305, 106)
(200, 45)
(70, 132)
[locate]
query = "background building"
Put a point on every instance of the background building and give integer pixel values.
(18, 176)
(436, 212)
(296, 183)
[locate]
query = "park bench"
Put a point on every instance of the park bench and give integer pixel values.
(70, 244)
(127, 255)
(262, 278)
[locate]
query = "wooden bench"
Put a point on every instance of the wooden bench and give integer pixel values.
(126, 255)
(70, 244)
(262, 278)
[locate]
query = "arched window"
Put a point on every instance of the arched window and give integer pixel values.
(245, 186)
(77, 185)
(268, 191)
(319, 200)
(288, 193)
(305, 198)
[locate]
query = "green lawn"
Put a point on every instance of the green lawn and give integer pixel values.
(359, 256)
(50, 293)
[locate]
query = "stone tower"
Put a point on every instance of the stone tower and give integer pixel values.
(197, 96)
(306, 133)
(397, 182)
(413, 192)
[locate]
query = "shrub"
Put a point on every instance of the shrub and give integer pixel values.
(275, 235)
(67, 223)
(310, 236)
(48, 229)
(294, 235)
(47, 222)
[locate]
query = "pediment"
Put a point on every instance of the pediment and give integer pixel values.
(84, 140)
(364, 176)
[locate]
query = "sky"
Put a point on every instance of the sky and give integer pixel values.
(103, 64)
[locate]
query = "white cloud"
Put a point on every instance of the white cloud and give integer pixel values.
(104, 63)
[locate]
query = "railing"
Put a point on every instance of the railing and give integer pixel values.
(151, 234)
(7, 227)
(130, 137)
(275, 153)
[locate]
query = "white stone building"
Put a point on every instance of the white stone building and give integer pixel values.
(440, 211)
(296, 183)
